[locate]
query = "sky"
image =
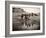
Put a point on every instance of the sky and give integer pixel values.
(31, 9)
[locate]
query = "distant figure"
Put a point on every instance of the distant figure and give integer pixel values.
(22, 16)
(32, 14)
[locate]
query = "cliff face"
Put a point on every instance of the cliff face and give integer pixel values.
(17, 10)
(23, 20)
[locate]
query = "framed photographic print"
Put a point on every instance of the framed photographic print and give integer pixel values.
(24, 18)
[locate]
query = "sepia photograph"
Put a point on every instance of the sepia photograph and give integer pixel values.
(25, 18)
